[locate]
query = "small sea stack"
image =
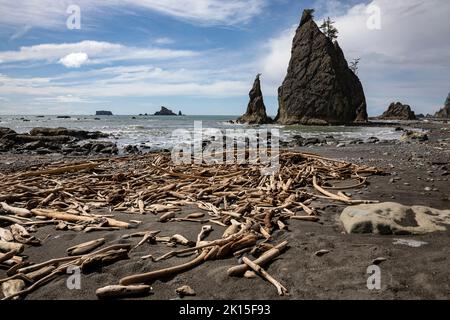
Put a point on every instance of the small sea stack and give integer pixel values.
(256, 110)
(398, 111)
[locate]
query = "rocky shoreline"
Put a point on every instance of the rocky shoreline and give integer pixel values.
(43, 141)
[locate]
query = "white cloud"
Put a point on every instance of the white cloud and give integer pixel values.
(151, 83)
(274, 64)
(63, 99)
(74, 60)
(52, 14)
(408, 59)
(205, 11)
(97, 51)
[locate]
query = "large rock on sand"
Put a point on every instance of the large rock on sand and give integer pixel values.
(444, 113)
(319, 87)
(256, 110)
(6, 132)
(398, 111)
(393, 218)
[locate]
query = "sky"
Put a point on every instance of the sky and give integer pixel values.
(201, 56)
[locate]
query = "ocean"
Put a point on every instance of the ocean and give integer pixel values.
(156, 132)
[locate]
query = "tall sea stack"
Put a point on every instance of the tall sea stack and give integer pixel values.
(319, 87)
(256, 110)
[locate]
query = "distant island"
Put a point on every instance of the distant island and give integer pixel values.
(165, 112)
(103, 113)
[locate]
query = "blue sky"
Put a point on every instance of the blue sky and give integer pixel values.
(201, 56)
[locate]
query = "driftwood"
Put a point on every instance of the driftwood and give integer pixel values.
(179, 239)
(147, 236)
(6, 235)
(41, 273)
(21, 212)
(248, 205)
(12, 287)
(21, 235)
(167, 216)
(264, 259)
(163, 273)
(118, 291)
(74, 218)
(102, 256)
(11, 246)
(7, 256)
(280, 288)
(86, 247)
(10, 219)
(232, 229)
(62, 170)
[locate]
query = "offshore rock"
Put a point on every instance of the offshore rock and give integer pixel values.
(256, 110)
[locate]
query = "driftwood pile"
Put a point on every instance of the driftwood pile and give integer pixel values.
(249, 205)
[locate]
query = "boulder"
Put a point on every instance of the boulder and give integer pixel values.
(165, 112)
(445, 111)
(393, 218)
(104, 147)
(6, 131)
(319, 87)
(398, 111)
(414, 135)
(103, 113)
(256, 110)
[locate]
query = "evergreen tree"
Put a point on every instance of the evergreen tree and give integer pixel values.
(328, 29)
(354, 65)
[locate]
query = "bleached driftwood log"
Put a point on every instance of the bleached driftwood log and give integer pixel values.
(119, 291)
(86, 247)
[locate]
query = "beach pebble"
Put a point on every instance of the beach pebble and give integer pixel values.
(321, 252)
(340, 145)
(185, 291)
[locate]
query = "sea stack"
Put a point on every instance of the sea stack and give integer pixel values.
(444, 112)
(398, 111)
(165, 112)
(103, 113)
(256, 110)
(319, 87)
